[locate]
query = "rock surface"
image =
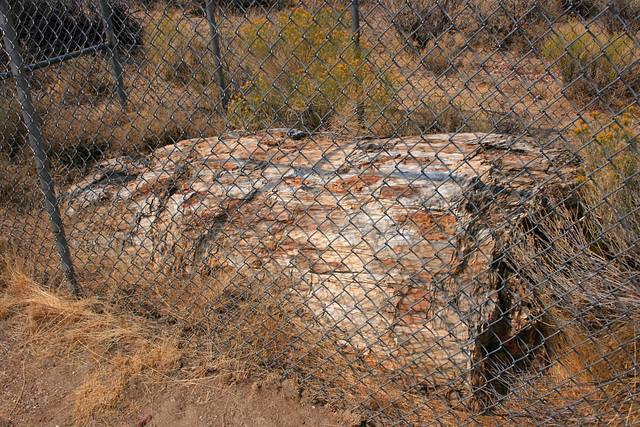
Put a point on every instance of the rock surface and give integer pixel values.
(393, 246)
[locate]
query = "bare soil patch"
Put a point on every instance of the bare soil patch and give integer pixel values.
(44, 395)
(67, 362)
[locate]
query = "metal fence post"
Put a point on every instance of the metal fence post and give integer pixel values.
(355, 21)
(215, 49)
(107, 13)
(35, 138)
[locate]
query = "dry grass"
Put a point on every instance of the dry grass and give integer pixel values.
(610, 183)
(123, 348)
(593, 63)
(247, 320)
(170, 90)
(590, 317)
(483, 23)
(19, 186)
(127, 348)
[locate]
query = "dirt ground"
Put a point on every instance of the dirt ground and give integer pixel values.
(33, 393)
(67, 362)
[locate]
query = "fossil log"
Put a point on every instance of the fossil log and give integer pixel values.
(393, 246)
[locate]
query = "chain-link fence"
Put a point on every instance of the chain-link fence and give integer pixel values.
(427, 210)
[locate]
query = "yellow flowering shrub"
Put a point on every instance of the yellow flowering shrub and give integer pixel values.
(610, 179)
(307, 71)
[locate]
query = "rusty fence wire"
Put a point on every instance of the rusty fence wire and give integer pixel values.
(426, 211)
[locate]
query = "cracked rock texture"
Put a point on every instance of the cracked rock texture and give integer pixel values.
(392, 246)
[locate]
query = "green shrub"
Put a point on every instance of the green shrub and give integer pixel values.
(594, 64)
(306, 71)
(610, 179)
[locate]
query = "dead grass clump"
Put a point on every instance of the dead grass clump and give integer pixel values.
(423, 20)
(27, 235)
(178, 52)
(79, 137)
(615, 15)
(122, 349)
(443, 56)
(592, 328)
(498, 24)
(623, 15)
(591, 379)
(106, 385)
(80, 81)
(441, 115)
(19, 185)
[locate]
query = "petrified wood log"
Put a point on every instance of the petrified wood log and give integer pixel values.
(394, 246)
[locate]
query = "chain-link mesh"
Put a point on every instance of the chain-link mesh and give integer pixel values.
(429, 213)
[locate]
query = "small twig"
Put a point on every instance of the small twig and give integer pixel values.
(24, 382)
(191, 380)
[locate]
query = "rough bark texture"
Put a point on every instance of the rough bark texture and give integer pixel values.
(394, 246)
